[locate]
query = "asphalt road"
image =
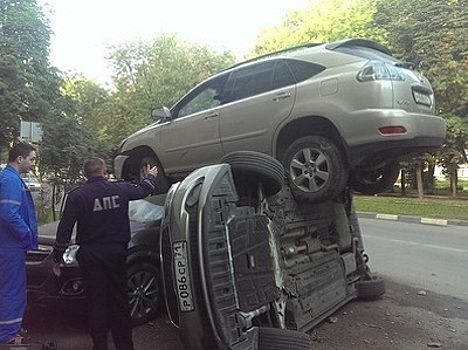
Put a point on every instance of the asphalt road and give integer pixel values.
(426, 304)
(430, 257)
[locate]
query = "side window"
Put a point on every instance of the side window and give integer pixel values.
(252, 80)
(283, 76)
(304, 70)
(206, 96)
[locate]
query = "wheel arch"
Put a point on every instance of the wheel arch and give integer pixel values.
(306, 126)
(133, 161)
(143, 254)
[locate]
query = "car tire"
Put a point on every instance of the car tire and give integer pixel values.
(280, 339)
(370, 289)
(250, 168)
(162, 182)
(315, 168)
(375, 181)
(145, 292)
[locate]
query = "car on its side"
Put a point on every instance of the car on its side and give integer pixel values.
(333, 114)
(248, 267)
(143, 267)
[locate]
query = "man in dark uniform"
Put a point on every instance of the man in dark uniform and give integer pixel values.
(100, 209)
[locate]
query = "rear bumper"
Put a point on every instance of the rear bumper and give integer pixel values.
(424, 133)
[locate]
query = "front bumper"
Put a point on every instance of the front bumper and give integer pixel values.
(201, 214)
(119, 163)
(44, 287)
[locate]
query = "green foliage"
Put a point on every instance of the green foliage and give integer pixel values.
(65, 145)
(28, 85)
(432, 34)
(322, 21)
(90, 104)
(456, 142)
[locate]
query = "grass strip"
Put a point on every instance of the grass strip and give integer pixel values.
(437, 208)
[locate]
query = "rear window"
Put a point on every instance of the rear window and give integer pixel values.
(303, 70)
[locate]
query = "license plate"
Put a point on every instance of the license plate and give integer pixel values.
(422, 98)
(183, 284)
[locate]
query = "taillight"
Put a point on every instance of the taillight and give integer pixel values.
(392, 130)
(375, 70)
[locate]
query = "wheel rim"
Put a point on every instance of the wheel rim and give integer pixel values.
(144, 294)
(309, 170)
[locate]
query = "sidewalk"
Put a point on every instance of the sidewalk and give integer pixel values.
(413, 219)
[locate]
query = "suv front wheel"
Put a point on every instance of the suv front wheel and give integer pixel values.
(315, 168)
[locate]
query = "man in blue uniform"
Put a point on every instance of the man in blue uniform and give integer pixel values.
(18, 234)
(100, 209)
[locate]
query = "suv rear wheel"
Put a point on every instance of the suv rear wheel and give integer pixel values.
(375, 181)
(315, 168)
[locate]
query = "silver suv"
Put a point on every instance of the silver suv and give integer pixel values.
(334, 114)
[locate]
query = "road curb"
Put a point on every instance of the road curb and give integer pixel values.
(413, 219)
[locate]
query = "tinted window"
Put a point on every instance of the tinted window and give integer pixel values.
(206, 96)
(283, 76)
(259, 78)
(304, 70)
(252, 80)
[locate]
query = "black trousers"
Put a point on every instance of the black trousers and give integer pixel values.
(105, 283)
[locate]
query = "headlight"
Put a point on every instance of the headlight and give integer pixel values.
(69, 255)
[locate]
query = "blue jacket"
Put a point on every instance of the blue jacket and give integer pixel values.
(18, 224)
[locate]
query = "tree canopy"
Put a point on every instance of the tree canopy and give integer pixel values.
(28, 84)
(321, 21)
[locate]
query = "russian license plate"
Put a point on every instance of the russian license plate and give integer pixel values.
(422, 98)
(183, 284)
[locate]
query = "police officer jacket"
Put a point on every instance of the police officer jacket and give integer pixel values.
(100, 209)
(18, 225)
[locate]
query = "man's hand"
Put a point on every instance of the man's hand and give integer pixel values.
(56, 269)
(153, 171)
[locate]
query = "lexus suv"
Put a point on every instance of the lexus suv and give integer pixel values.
(335, 114)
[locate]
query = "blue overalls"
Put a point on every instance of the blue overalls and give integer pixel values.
(18, 234)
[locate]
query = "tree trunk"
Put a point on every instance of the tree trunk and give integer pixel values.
(403, 183)
(453, 179)
(419, 181)
(430, 177)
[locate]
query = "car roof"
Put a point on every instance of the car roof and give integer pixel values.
(305, 49)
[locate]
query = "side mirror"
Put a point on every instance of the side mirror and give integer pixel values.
(161, 114)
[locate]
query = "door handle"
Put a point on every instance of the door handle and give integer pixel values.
(282, 97)
(210, 116)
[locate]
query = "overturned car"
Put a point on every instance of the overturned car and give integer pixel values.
(247, 266)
